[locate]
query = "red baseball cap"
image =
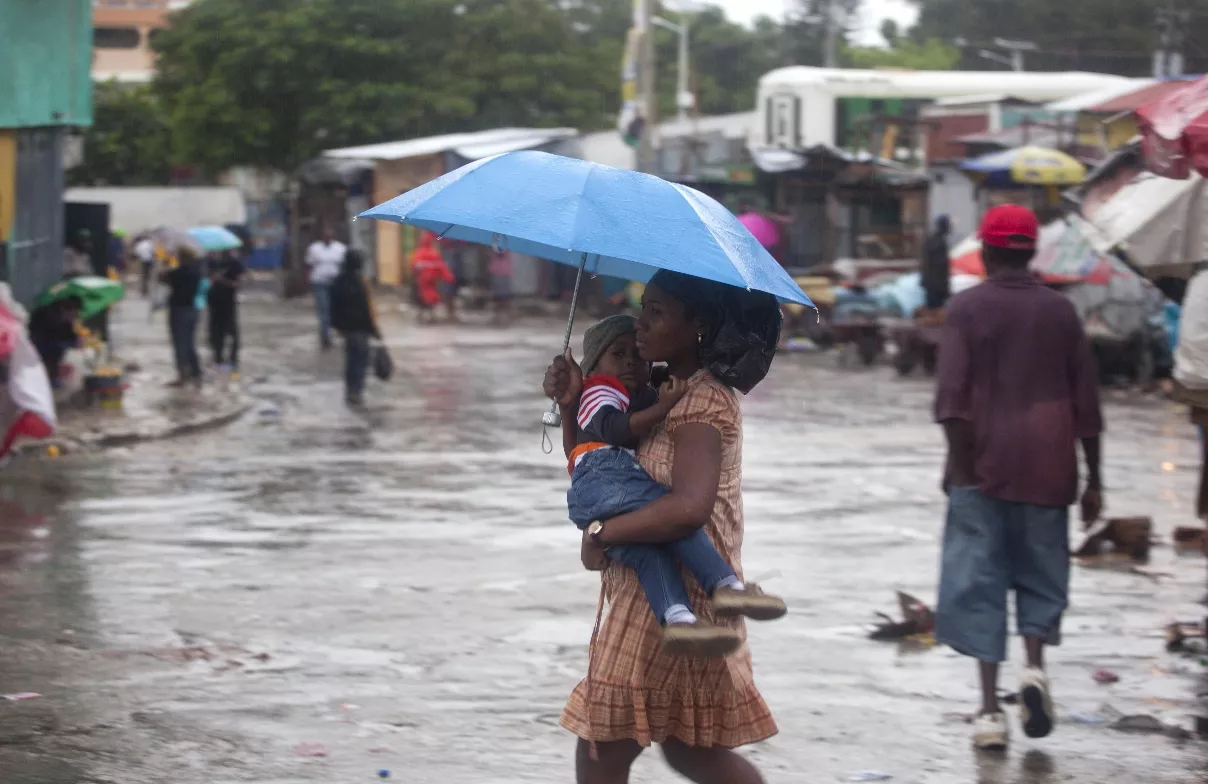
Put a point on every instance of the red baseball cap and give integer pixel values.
(1009, 226)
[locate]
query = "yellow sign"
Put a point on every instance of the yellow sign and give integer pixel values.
(8, 182)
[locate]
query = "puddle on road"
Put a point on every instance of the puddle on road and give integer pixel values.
(415, 561)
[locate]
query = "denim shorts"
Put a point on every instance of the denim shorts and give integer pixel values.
(991, 547)
(609, 482)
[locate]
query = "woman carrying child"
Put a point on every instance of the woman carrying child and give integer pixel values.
(638, 693)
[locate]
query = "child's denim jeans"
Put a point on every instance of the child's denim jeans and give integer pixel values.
(610, 482)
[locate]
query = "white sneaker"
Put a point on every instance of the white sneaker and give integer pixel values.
(990, 732)
(1035, 704)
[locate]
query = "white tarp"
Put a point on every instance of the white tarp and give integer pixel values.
(1158, 222)
(136, 210)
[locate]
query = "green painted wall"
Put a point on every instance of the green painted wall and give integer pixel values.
(45, 63)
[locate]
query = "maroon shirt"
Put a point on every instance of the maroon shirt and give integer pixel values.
(1015, 362)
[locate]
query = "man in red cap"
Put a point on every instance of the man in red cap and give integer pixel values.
(1017, 389)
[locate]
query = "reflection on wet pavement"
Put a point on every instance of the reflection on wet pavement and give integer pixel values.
(401, 585)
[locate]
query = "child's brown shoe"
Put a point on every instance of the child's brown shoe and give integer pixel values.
(699, 639)
(751, 601)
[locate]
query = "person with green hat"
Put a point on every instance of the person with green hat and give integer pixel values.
(617, 407)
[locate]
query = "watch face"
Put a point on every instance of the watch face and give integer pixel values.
(595, 528)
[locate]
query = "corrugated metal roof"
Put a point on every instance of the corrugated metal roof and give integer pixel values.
(852, 82)
(1135, 99)
(732, 126)
(472, 146)
(1083, 101)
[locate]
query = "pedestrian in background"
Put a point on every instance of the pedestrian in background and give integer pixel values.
(184, 282)
(937, 267)
(222, 301)
(353, 317)
(500, 272)
(77, 256)
(116, 254)
(53, 331)
(324, 258)
(431, 271)
(144, 251)
(1017, 389)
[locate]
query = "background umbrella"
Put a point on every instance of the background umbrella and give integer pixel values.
(763, 229)
(1029, 165)
(95, 293)
(216, 238)
(172, 241)
(603, 220)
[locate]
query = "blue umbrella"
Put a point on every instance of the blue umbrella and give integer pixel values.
(214, 238)
(603, 220)
(612, 222)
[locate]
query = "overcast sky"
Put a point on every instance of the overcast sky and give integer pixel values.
(866, 27)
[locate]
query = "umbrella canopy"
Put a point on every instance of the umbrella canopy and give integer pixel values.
(1174, 131)
(172, 241)
(609, 221)
(216, 238)
(95, 293)
(763, 229)
(1028, 165)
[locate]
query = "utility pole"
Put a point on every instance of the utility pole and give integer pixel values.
(830, 53)
(684, 98)
(1016, 48)
(647, 89)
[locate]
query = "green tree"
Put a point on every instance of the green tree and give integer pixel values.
(928, 55)
(805, 29)
(1115, 36)
(727, 60)
(129, 142)
(270, 83)
(538, 62)
(890, 32)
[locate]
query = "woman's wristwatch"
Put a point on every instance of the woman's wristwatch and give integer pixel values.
(593, 532)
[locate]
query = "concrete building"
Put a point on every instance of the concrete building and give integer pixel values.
(122, 34)
(45, 89)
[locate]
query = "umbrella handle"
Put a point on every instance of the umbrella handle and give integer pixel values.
(552, 418)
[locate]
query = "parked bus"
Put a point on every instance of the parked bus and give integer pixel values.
(802, 107)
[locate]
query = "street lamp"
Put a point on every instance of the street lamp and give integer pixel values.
(684, 99)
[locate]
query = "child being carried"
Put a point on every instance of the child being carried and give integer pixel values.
(619, 406)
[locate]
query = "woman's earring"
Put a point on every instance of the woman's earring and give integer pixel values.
(699, 339)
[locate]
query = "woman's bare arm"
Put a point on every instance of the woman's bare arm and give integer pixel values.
(695, 476)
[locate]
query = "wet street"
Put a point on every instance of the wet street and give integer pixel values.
(314, 595)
